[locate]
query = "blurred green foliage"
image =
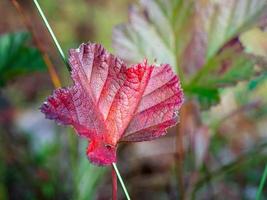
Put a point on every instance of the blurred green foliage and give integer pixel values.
(18, 57)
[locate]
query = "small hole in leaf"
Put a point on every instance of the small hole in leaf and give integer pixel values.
(108, 146)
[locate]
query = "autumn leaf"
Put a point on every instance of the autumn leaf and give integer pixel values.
(109, 103)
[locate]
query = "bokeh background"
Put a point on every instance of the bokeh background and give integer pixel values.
(218, 151)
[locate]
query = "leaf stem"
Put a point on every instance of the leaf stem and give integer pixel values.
(51, 33)
(262, 182)
(114, 184)
(180, 151)
(121, 181)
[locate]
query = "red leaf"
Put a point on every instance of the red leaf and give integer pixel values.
(109, 102)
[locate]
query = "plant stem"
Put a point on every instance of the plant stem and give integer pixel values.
(66, 63)
(51, 70)
(263, 179)
(121, 181)
(180, 152)
(51, 33)
(114, 184)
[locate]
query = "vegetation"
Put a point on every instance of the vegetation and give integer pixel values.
(219, 50)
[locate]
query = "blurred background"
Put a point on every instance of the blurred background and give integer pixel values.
(219, 49)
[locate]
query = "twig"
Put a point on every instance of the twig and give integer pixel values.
(114, 184)
(51, 70)
(52, 34)
(263, 180)
(121, 181)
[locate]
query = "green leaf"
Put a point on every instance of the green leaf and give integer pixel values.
(198, 38)
(164, 30)
(216, 31)
(18, 57)
(226, 19)
(153, 31)
(226, 68)
(206, 96)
